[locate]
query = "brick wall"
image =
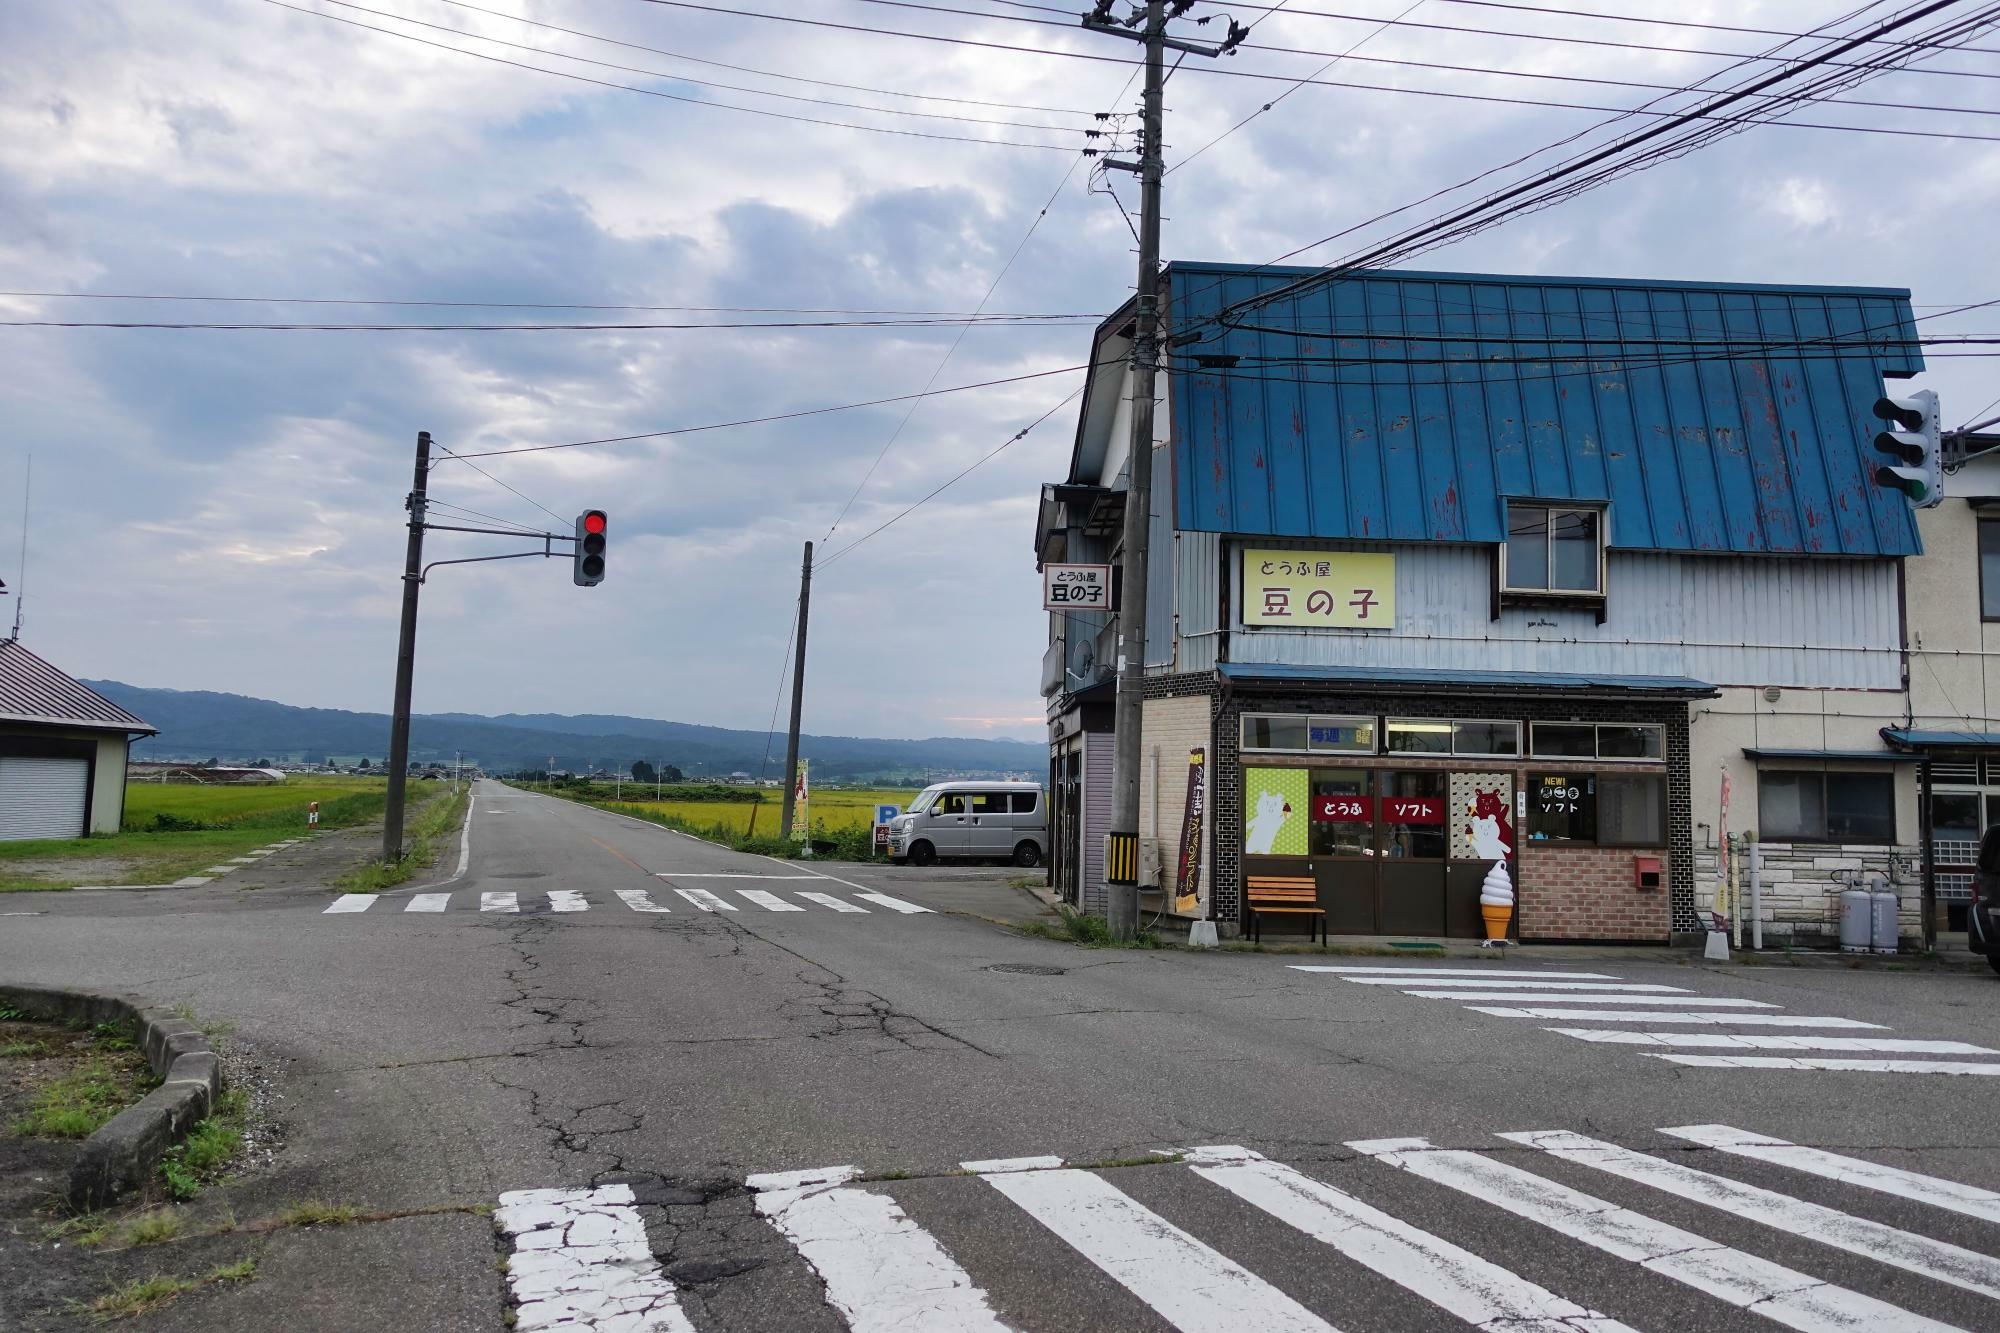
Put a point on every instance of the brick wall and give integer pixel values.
(1587, 893)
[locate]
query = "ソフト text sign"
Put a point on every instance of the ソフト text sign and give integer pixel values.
(1319, 589)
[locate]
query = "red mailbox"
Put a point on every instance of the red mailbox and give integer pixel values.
(1646, 872)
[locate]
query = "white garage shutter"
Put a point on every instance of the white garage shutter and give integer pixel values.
(42, 798)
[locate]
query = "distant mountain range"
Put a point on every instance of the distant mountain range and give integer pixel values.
(198, 724)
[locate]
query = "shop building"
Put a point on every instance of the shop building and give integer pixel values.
(1451, 571)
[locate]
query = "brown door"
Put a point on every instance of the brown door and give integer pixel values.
(1410, 852)
(1343, 849)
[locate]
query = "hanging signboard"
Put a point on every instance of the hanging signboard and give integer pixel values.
(1319, 589)
(1068, 587)
(1187, 881)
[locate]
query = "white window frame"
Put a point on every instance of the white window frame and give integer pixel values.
(1454, 723)
(1552, 508)
(1243, 720)
(1597, 754)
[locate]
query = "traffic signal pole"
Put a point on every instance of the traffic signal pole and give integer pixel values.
(798, 697)
(406, 655)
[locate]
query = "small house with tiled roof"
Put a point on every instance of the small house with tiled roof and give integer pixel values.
(63, 748)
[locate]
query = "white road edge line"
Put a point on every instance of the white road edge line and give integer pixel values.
(882, 1271)
(581, 1260)
(464, 855)
(1786, 1296)
(1969, 1200)
(1456, 1280)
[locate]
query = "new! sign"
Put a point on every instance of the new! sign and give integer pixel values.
(1076, 587)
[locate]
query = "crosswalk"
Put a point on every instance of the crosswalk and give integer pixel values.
(880, 1267)
(1653, 1019)
(635, 900)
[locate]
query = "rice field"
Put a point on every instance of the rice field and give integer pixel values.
(276, 805)
(832, 810)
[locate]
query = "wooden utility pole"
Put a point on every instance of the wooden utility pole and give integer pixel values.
(406, 655)
(798, 696)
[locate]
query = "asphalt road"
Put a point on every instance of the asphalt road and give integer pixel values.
(640, 1066)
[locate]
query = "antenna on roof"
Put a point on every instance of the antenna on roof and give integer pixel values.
(21, 580)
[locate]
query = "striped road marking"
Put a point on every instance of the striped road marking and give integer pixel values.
(1764, 1041)
(727, 874)
(828, 900)
(1781, 1294)
(1481, 1293)
(1831, 1064)
(351, 902)
(1421, 972)
(1857, 1235)
(581, 1261)
(769, 901)
(1969, 1200)
(893, 904)
(882, 1271)
(567, 900)
(639, 900)
(1192, 1287)
(1625, 1016)
(428, 902)
(707, 902)
(499, 902)
(1516, 997)
(1629, 987)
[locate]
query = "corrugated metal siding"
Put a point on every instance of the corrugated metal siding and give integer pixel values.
(1724, 620)
(1098, 749)
(33, 690)
(1198, 598)
(1160, 571)
(1429, 398)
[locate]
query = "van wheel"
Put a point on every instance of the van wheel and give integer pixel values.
(1027, 854)
(922, 854)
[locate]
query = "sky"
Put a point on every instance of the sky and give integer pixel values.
(223, 510)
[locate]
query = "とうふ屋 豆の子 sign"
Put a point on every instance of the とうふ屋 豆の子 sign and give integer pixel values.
(1319, 589)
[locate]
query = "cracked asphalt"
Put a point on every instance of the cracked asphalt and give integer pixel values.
(438, 1059)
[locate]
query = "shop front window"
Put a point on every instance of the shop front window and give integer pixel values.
(1562, 807)
(1810, 806)
(1411, 815)
(1631, 810)
(1343, 813)
(1955, 816)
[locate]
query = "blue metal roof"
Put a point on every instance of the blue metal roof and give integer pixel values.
(1514, 680)
(1711, 416)
(1904, 738)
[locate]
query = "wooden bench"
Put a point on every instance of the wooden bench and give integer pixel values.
(1288, 895)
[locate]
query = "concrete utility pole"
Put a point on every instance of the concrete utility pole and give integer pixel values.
(1122, 851)
(406, 655)
(798, 696)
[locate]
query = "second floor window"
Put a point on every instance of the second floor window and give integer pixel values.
(1989, 569)
(1552, 550)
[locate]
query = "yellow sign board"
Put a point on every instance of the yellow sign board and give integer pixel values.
(1319, 589)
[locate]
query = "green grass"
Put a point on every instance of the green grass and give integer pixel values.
(241, 1271)
(1091, 932)
(141, 1296)
(279, 806)
(76, 1105)
(318, 1213)
(151, 1228)
(432, 826)
(206, 1153)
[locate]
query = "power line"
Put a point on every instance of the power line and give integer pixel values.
(1671, 23)
(467, 460)
(701, 83)
(460, 510)
(1067, 321)
(666, 96)
(946, 315)
(764, 73)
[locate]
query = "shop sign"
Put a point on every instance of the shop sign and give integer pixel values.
(1187, 879)
(1344, 809)
(1412, 810)
(1275, 802)
(1319, 589)
(1076, 587)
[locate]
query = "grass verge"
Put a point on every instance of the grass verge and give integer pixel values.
(431, 831)
(1089, 931)
(147, 1294)
(105, 1075)
(206, 1153)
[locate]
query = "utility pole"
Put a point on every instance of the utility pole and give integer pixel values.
(1121, 908)
(406, 655)
(798, 696)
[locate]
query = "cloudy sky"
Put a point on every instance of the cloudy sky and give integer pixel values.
(222, 509)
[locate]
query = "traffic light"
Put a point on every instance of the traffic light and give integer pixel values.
(589, 549)
(1912, 441)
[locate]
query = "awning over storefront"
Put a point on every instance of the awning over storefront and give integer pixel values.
(1907, 739)
(1842, 756)
(1427, 680)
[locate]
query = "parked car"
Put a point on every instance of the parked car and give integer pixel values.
(1982, 919)
(997, 820)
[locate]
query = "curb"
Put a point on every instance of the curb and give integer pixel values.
(121, 1156)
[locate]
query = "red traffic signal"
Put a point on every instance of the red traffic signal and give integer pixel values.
(589, 569)
(593, 520)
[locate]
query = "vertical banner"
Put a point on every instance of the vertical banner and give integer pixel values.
(1187, 880)
(1276, 802)
(801, 818)
(1719, 910)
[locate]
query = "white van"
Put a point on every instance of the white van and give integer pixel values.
(1006, 821)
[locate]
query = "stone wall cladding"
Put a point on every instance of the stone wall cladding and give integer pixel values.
(1801, 884)
(1650, 915)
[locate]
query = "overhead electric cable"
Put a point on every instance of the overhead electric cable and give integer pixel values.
(948, 316)
(1659, 22)
(467, 460)
(795, 324)
(666, 96)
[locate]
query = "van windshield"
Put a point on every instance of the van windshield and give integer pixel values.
(923, 801)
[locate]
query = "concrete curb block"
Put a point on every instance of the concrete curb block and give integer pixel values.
(121, 1156)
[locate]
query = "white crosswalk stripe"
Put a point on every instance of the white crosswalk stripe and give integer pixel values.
(1483, 1294)
(1857, 1235)
(1764, 1041)
(1833, 1064)
(1519, 997)
(705, 901)
(1192, 1287)
(351, 902)
(828, 900)
(499, 902)
(1653, 1016)
(567, 900)
(428, 902)
(1422, 972)
(1786, 1296)
(1970, 1200)
(893, 904)
(640, 901)
(581, 1262)
(769, 901)
(881, 1270)
(1448, 984)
